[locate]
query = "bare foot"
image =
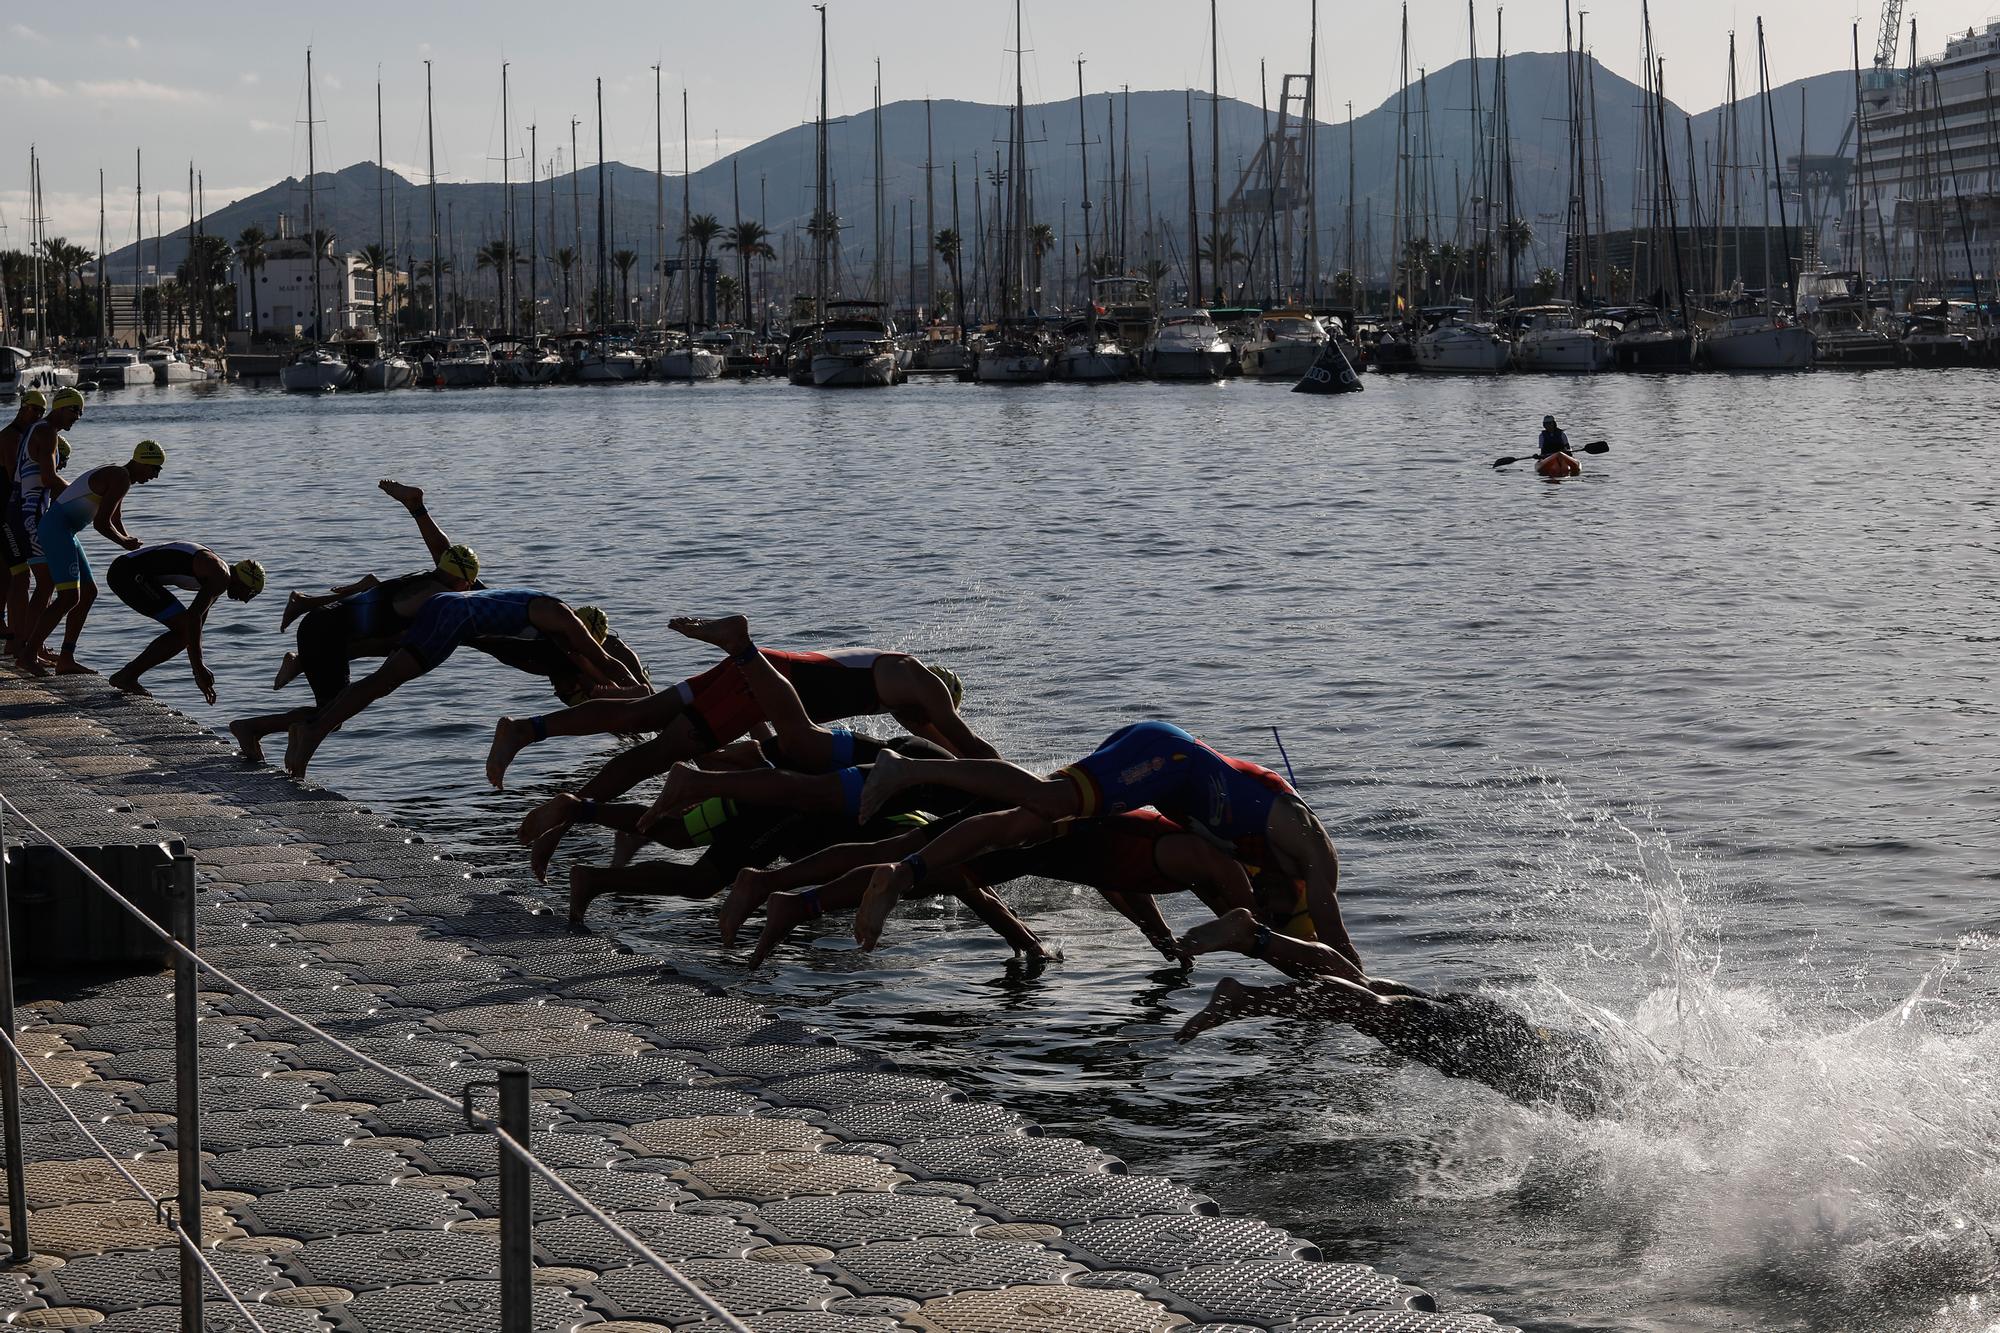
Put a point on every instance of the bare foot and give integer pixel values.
(410, 497)
(296, 605)
(729, 633)
(299, 747)
(125, 684)
(676, 795)
(1223, 1005)
(886, 777)
(624, 846)
(248, 741)
(551, 816)
(746, 895)
(581, 892)
(886, 887)
(783, 914)
(510, 737)
(1232, 932)
(31, 665)
(69, 666)
(543, 852)
(288, 670)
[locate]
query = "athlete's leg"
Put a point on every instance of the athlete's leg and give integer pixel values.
(648, 879)
(753, 885)
(86, 597)
(914, 695)
(1302, 849)
(806, 744)
(412, 499)
(166, 644)
(251, 731)
(957, 845)
(402, 667)
(1239, 931)
(686, 785)
(993, 780)
(594, 717)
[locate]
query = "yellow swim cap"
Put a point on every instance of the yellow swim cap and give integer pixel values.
(951, 682)
(34, 398)
(66, 398)
(459, 561)
(595, 621)
(149, 454)
(250, 574)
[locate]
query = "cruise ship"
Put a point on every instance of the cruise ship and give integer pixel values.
(1927, 170)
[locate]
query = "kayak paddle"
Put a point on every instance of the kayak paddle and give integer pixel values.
(1594, 447)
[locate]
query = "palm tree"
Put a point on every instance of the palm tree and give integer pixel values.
(623, 260)
(1546, 283)
(16, 274)
(1041, 240)
(68, 261)
(1154, 271)
(748, 239)
(1515, 237)
(377, 258)
(566, 260)
(948, 244)
(702, 229)
(1450, 260)
(496, 255)
(250, 254)
(1344, 287)
(725, 291)
(438, 269)
(1419, 260)
(1219, 250)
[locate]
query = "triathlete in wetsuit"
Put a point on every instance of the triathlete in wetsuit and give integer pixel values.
(95, 499)
(365, 618)
(707, 711)
(144, 580)
(541, 657)
(446, 623)
(36, 476)
(33, 404)
(1241, 806)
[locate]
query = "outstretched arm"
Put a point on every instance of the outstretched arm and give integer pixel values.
(214, 582)
(557, 621)
(110, 519)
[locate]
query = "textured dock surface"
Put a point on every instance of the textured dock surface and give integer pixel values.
(806, 1185)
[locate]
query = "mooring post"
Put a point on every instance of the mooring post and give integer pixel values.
(517, 1210)
(187, 1091)
(10, 1085)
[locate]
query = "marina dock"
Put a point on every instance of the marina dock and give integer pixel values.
(805, 1185)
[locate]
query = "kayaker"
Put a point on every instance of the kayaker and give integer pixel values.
(1552, 457)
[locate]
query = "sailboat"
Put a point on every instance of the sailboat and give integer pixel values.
(317, 370)
(1558, 337)
(1461, 342)
(1089, 353)
(854, 346)
(1019, 353)
(386, 368)
(1753, 336)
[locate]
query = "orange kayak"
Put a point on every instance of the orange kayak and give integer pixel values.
(1558, 465)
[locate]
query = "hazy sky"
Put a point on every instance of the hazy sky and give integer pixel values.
(224, 85)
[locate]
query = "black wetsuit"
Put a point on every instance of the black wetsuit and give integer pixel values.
(364, 624)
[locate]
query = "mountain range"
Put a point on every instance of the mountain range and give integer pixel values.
(775, 175)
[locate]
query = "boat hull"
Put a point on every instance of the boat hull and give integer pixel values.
(1288, 359)
(1012, 368)
(1859, 352)
(611, 370)
(1174, 363)
(1462, 354)
(1092, 365)
(388, 372)
(1787, 348)
(1673, 352)
(122, 376)
(528, 371)
(1567, 353)
(1938, 353)
(315, 376)
(464, 374)
(873, 371)
(698, 364)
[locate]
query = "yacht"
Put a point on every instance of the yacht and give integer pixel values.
(609, 361)
(465, 363)
(21, 370)
(169, 366)
(1756, 339)
(1843, 322)
(1556, 343)
(317, 370)
(689, 359)
(1456, 345)
(1017, 354)
(1286, 345)
(942, 347)
(1933, 338)
(1127, 310)
(1186, 346)
(525, 361)
(855, 347)
(1090, 354)
(1650, 340)
(114, 368)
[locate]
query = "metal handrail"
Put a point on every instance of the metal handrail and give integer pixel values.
(159, 1206)
(478, 1119)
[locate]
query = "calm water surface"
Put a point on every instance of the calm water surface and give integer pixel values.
(1700, 747)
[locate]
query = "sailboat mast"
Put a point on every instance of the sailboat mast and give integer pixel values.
(312, 209)
(1784, 229)
(876, 278)
(822, 223)
(139, 220)
(1013, 296)
(687, 179)
(103, 311)
(381, 194)
(437, 269)
(534, 238)
(1194, 215)
(659, 204)
(507, 211)
(603, 271)
(930, 220)
(1083, 152)
(1312, 163)
(1358, 290)
(1505, 129)
(1215, 149)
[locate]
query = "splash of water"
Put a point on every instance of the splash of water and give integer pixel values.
(1841, 1169)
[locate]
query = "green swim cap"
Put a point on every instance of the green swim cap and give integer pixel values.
(459, 561)
(951, 682)
(595, 621)
(147, 453)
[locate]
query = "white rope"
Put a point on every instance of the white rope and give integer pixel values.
(159, 1209)
(534, 1163)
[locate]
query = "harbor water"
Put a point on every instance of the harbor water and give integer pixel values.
(1695, 752)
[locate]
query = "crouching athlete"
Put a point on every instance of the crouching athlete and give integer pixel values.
(143, 580)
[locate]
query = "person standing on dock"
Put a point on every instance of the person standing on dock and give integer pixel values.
(95, 499)
(36, 477)
(33, 404)
(448, 622)
(142, 579)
